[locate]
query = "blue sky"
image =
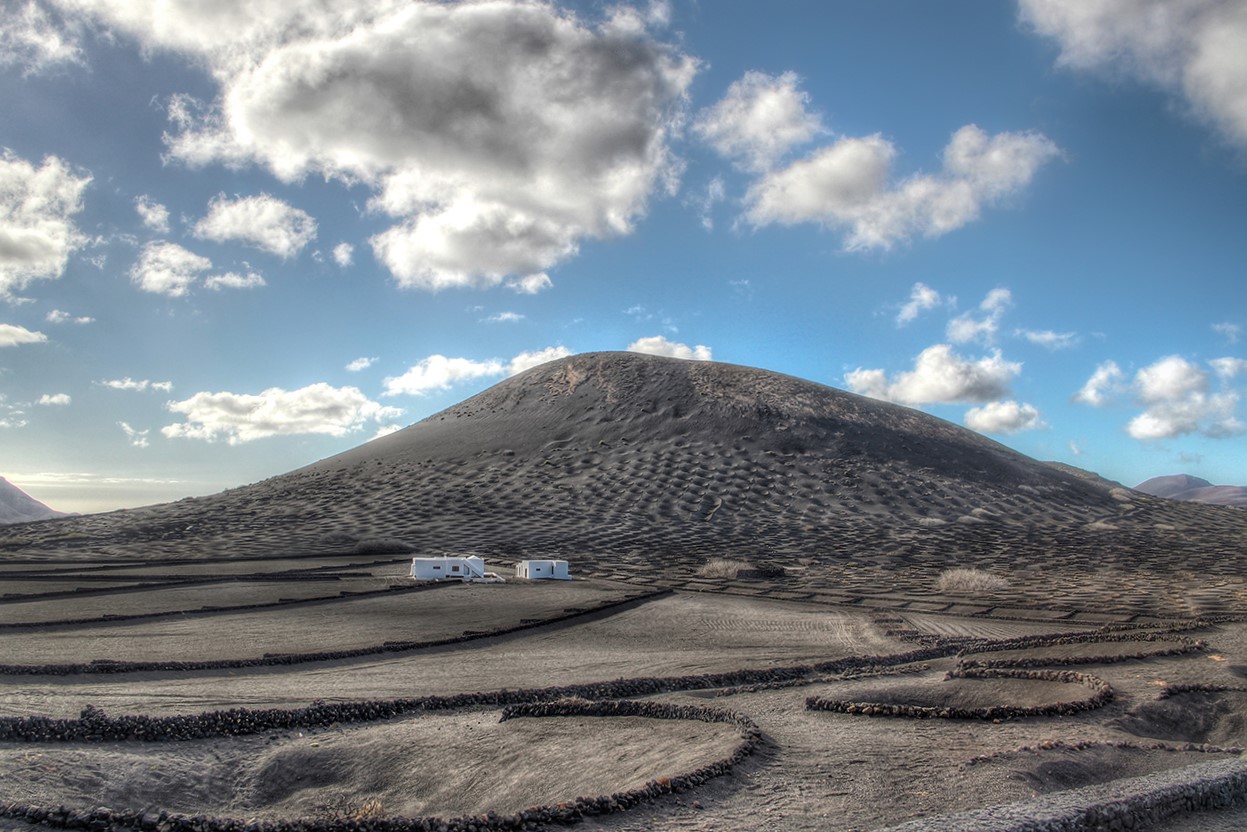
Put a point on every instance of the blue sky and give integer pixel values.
(239, 237)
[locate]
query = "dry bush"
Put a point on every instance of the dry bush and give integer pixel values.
(343, 808)
(722, 568)
(969, 579)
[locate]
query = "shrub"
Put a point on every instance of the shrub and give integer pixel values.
(722, 568)
(969, 579)
(343, 808)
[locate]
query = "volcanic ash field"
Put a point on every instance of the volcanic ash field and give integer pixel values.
(792, 609)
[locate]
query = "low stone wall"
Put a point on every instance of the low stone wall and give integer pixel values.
(1090, 745)
(568, 812)
(1101, 695)
(1055, 640)
(1135, 803)
(1181, 645)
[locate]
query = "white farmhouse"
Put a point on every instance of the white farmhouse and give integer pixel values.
(535, 569)
(448, 568)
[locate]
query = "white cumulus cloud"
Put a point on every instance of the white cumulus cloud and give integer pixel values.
(239, 417)
(759, 120)
(1105, 381)
(921, 298)
(847, 185)
(362, 363)
(939, 376)
(498, 135)
(154, 215)
(528, 360)
(37, 231)
(1193, 49)
(59, 316)
(386, 430)
(1003, 417)
(166, 268)
(263, 221)
(12, 335)
(344, 254)
(1227, 368)
(969, 327)
(1178, 400)
(438, 372)
(1172, 377)
(55, 399)
(659, 345)
(34, 39)
(1177, 395)
(530, 284)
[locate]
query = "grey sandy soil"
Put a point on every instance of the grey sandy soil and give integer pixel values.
(347, 624)
(447, 764)
(816, 770)
(674, 635)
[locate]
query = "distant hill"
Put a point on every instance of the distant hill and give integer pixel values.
(1195, 490)
(16, 506)
(661, 464)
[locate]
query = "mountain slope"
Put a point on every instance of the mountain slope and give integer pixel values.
(16, 506)
(632, 458)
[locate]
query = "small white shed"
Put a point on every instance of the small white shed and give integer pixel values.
(448, 568)
(538, 569)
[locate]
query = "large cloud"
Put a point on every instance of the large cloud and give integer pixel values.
(1178, 399)
(500, 133)
(759, 120)
(1177, 396)
(847, 185)
(1192, 48)
(939, 376)
(262, 221)
(240, 417)
(37, 232)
